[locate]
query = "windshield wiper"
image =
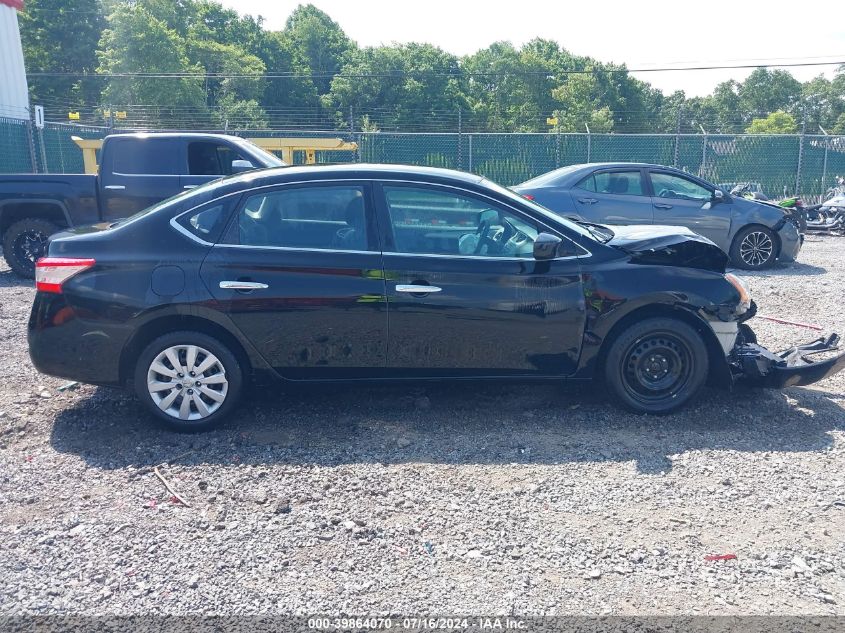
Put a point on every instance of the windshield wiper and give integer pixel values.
(598, 231)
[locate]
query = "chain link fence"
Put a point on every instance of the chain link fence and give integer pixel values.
(777, 164)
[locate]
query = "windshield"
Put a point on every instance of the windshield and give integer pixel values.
(577, 227)
(270, 160)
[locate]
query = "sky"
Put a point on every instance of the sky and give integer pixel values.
(656, 33)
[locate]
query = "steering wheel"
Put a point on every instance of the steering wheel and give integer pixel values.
(484, 238)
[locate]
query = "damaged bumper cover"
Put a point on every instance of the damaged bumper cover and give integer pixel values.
(796, 366)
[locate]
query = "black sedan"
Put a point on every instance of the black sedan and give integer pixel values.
(368, 272)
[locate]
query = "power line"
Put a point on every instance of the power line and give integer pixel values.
(403, 74)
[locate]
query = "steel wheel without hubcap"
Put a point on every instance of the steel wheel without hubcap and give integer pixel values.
(756, 249)
(656, 367)
(187, 382)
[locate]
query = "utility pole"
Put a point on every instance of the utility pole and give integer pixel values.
(701, 171)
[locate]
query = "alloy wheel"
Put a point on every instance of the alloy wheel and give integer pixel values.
(756, 249)
(29, 246)
(187, 382)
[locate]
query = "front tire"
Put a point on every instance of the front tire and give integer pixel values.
(24, 242)
(656, 366)
(188, 380)
(754, 248)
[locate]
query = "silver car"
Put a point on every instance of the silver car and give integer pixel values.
(755, 235)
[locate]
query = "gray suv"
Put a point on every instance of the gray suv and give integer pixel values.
(755, 235)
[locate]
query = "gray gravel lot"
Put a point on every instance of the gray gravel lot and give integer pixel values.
(469, 499)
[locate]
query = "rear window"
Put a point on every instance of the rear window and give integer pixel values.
(207, 222)
(145, 156)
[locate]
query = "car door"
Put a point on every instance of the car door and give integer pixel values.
(682, 201)
(299, 273)
(613, 196)
(462, 303)
(206, 161)
(137, 173)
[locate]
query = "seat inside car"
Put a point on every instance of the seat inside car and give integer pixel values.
(617, 184)
(353, 237)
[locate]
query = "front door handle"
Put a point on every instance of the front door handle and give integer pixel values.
(417, 289)
(661, 205)
(587, 200)
(190, 186)
(243, 285)
(115, 187)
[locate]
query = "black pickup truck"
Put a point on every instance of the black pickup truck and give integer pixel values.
(135, 171)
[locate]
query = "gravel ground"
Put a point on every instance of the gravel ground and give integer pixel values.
(471, 499)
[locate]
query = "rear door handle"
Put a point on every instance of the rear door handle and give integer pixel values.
(190, 186)
(587, 200)
(417, 289)
(243, 285)
(115, 187)
(661, 205)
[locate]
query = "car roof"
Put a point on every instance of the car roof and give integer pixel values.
(571, 174)
(364, 171)
(188, 135)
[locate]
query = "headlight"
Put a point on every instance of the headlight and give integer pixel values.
(743, 290)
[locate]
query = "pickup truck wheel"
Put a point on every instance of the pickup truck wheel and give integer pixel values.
(24, 242)
(188, 380)
(656, 366)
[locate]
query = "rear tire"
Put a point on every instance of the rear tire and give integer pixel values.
(754, 248)
(656, 366)
(188, 380)
(24, 242)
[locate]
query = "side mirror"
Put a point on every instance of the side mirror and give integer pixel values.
(718, 196)
(545, 246)
(239, 166)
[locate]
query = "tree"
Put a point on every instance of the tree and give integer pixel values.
(407, 85)
(581, 101)
(779, 122)
(766, 91)
(137, 41)
(318, 45)
(61, 36)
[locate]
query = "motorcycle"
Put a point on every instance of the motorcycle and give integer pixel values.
(792, 206)
(829, 216)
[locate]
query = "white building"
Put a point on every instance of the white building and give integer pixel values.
(14, 98)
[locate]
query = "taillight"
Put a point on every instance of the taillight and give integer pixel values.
(52, 272)
(527, 196)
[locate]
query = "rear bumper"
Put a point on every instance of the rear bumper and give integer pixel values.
(68, 342)
(795, 366)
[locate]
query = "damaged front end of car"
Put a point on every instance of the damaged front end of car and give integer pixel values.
(797, 366)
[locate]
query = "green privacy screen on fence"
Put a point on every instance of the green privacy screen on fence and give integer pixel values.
(778, 163)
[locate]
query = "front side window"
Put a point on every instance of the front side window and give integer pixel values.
(624, 183)
(145, 156)
(211, 159)
(438, 222)
(330, 217)
(679, 188)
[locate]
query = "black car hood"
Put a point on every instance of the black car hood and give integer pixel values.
(668, 246)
